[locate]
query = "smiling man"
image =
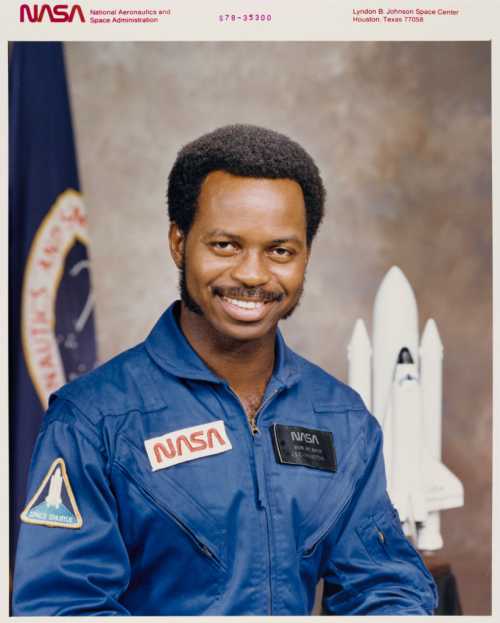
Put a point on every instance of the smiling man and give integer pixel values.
(211, 470)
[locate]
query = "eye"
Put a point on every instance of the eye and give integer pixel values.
(223, 247)
(281, 253)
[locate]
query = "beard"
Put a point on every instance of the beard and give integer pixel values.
(193, 306)
(186, 297)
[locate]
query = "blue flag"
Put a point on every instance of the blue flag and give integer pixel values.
(51, 324)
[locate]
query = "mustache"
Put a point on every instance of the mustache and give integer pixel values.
(258, 294)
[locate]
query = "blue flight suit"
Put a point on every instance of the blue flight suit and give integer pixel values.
(234, 533)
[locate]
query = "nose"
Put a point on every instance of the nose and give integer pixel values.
(251, 270)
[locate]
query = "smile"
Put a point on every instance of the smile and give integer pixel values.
(244, 311)
(244, 304)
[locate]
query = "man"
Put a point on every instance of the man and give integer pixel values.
(211, 470)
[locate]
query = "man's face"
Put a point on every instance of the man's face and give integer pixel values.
(243, 261)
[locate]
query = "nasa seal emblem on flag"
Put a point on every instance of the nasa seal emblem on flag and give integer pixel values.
(57, 298)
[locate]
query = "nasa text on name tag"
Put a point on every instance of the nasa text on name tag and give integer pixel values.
(295, 445)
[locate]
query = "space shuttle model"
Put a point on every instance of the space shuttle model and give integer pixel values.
(402, 386)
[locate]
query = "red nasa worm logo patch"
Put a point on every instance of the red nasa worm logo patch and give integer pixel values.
(187, 444)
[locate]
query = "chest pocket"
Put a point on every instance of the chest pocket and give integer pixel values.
(334, 499)
(161, 491)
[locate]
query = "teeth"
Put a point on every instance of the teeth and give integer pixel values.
(244, 304)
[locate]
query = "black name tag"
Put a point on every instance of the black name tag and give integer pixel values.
(295, 445)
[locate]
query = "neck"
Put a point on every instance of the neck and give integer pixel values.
(243, 364)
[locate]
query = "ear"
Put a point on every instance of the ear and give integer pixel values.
(176, 240)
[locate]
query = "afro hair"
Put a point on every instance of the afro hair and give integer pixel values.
(246, 151)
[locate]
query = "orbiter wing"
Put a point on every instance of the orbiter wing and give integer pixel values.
(442, 488)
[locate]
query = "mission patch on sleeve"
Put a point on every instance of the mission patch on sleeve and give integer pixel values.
(295, 445)
(54, 503)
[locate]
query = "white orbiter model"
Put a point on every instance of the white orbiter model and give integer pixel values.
(407, 401)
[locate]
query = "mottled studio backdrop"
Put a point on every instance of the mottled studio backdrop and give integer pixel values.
(401, 133)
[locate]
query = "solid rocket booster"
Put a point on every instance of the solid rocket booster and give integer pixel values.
(431, 365)
(359, 354)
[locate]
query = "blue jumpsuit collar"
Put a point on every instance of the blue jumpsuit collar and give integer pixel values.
(169, 348)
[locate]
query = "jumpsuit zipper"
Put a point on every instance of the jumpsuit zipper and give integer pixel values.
(252, 423)
(253, 419)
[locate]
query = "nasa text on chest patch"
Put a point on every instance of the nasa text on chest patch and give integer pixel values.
(295, 445)
(187, 444)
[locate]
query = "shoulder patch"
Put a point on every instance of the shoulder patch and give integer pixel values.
(54, 503)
